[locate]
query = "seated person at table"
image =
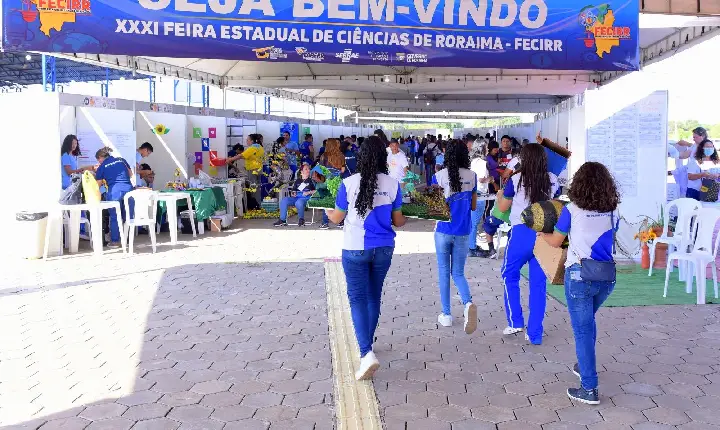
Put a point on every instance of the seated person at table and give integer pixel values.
(142, 152)
(116, 173)
(147, 176)
(300, 193)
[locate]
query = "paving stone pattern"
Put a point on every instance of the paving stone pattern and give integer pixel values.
(659, 366)
(234, 346)
(179, 340)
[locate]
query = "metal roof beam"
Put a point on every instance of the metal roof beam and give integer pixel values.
(288, 95)
(681, 7)
(449, 105)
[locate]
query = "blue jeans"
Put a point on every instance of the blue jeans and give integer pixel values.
(326, 220)
(519, 251)
(365, 273)
(429, 172)
(299, 203)
(452, 252)
(583, 301)
(476, 218)
(117, 194)
(692, 194)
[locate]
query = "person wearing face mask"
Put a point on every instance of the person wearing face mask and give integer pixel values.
(704, 165)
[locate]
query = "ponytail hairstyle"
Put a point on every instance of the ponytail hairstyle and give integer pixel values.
(103, 153)
(456, 157)
(534, 175)
(371, 160)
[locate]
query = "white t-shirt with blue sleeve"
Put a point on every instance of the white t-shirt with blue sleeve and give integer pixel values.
(375, 229)
(520, 200)
(590, 233)
(460, 203)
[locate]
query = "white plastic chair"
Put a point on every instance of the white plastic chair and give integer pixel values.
(145, 214)
(683, 227)
(704, 252)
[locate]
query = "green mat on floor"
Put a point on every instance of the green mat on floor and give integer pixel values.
(635, 288)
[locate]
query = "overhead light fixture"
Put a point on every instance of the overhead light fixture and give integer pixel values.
(28, 57)
(417, 96)
(387, 78)
(427, 103)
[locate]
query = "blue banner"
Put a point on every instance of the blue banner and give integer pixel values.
(497, 34)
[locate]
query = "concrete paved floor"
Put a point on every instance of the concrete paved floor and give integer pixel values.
(231, 332)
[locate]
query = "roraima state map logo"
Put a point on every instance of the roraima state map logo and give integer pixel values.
(601, 34)
(53, 14)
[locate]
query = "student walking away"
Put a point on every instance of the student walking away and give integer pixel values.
(334, 160)
(479, 167)
(429, 158)
(370, 203)
(459, 186)
(532, 184)
(350, 158)
(491, 224)
(589, 222)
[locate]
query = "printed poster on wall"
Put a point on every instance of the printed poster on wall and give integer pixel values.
(198, 158)
(212, 133)
(205, 143)
(197, 133)
(509, 34)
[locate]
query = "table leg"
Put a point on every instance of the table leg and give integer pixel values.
(172, 221)
(192, 215)
(74, 231)
(97, 237)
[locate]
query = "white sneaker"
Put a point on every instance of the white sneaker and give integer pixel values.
(510, 330)
(368, 365)
(471, 318)
(445, 320)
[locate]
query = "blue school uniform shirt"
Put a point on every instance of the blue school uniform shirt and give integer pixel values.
(590, 233)
(460, 203)
(520, 200)
(375, 229)
(440, 159)
(114, 171)
(67, 159)
(305, 151)
(291, 158)
(350, 161)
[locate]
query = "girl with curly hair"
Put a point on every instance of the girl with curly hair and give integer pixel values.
(459, 185)
(589, 222)
(531, 184)
(370, 203)
(334, 159)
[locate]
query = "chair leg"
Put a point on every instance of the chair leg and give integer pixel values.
(701, 282)
(131, 240)
(652, 258)
(667, 276)
(153, 239)
(713, 266)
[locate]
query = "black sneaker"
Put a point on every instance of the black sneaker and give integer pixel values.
(324, 226)
(280, 223)
(589, 397)
(576, 370)
(301, 222)
(341, 225)
(475, 253)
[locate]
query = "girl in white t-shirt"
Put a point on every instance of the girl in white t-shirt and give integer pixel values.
(589, 222)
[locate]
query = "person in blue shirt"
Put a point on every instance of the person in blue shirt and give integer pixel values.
(532, 184)
(142, 152)
(69, 152)
(292, 152)
(370, 203)
(307, 149)
(350, 158)
(589, 223)
(116, 172)
(459, 185)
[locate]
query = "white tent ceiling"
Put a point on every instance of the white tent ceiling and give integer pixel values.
(406, 89)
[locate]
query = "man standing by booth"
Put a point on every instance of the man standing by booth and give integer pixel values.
(142, 152)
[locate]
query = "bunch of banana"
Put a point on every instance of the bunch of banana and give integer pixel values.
(263, 214)
(434, 200)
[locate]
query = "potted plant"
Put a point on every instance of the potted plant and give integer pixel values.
(649, 231)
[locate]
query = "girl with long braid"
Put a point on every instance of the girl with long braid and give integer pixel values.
(459, 185)
(531, 184)
(370, 203)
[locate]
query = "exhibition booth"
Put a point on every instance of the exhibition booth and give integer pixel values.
(186, 140)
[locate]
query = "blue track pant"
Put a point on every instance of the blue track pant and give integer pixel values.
(519, 251)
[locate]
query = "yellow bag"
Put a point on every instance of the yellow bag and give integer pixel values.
(91, 189)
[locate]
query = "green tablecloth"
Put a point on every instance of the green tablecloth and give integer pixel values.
(205, 202)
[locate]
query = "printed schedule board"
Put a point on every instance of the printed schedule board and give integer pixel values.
(514, 34)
